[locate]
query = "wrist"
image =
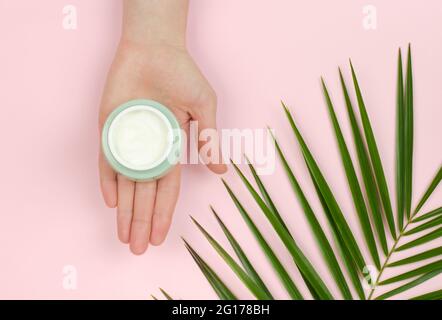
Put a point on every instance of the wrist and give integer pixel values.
(127, 48)
(149, 43)
(149, 23)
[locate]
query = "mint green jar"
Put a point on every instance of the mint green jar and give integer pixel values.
(141, 139)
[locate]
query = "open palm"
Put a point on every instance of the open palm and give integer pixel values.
(166, 74)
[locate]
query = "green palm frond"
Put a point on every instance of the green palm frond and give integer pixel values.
(250, 270)
(410, 285)
(436, 234)
(410, 274)
(271, 256)
(321, 238)
(374, 156)
(400, 145)
(348, 261)
(358, 198)
(435, 295)
(373, 209)
(418, 257)
(214, 280)
(434, 183)
(433, 213)
(166, 295)
(302, 262)
(250, 283)
(427, 225)
(366, 169)
(408, 136)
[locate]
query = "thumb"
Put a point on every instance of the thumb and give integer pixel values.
(208, 138)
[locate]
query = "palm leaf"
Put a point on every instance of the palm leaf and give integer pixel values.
(348, 260)
(168, 296)
(377, 208)
(242, 275)
(409, 285)
(242, 256)
(424, 239)
(214, 280)
(272, 207)
(326, 249)
(434, 183)
(435, 295)
(427, 225)
(366, 170)
(358, 198)
(277, 265)
(437, 265)
(374, 156)
(338, 217)
(408, 143)
(434, 213)
(400, 141)
(265, 195)
(418, 257)
(306, 268)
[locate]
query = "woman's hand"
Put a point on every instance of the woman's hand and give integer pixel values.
(160, 70)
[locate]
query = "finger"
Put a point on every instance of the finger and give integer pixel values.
(142, 220)
(167, 194)
(108, 181)
(209, 148)
(108, 177)
(126, 189)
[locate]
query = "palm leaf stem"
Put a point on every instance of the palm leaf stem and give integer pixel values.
(390, 254)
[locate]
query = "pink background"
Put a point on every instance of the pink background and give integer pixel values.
(254, 53)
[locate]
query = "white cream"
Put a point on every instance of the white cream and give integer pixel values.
(140, 137)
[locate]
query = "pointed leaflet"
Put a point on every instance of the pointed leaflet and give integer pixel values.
(273, 209)
(427, 225)
(436, 180)
(374, 156)
(242, 256)
(408, 143)
(418, 257)
(409, 285)
(358, 198)
(218, 286)
(326, 249)
(424, 239)
(279, 268)
(435, 295)
(265, 195)
(434, 213)
(168, 297)
(242, 275)
(400, 138)
(366, 170)
(437, 265)
(349, 263)
(338, 217)
(300, 259)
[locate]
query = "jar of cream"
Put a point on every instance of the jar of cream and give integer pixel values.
(141, 140)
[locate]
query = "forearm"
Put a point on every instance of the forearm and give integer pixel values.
(153, 22)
